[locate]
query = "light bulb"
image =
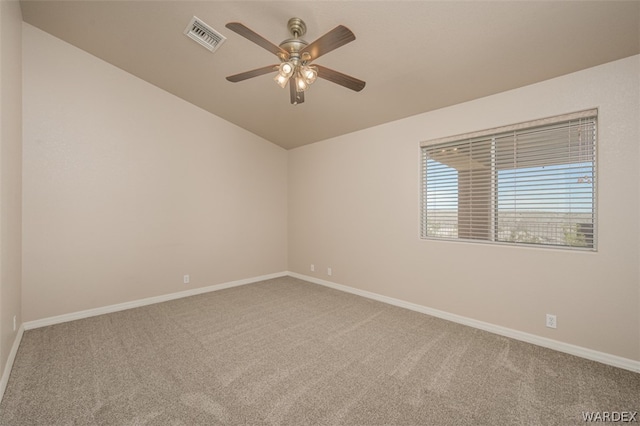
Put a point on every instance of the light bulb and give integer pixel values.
(286, 69)
(309, 74)
(281, 80)
(301, 85)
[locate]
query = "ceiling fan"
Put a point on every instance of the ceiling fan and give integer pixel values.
(296, 55)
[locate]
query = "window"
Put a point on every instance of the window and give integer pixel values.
(531, 183)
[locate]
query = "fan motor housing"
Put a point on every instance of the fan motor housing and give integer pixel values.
(293, 45)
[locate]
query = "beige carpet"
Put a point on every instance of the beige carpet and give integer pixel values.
(287, 352)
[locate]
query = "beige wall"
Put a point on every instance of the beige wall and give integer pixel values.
(10, 173)
(127, 188)
(354, 205)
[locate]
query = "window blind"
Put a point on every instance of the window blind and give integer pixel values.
(530, 183)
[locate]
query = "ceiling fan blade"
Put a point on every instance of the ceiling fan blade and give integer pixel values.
(340, 78)
(253, 73)
(296, 97)
(339, 36)
(251, 35)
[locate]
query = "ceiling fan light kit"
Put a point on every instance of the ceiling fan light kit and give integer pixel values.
(295, 56)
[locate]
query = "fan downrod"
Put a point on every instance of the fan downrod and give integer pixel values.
(297, 28)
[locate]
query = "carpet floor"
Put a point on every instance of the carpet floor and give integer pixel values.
(288, 352)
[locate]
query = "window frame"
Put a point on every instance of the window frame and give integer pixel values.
(590, 117)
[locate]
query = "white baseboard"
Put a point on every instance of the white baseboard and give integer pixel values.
(593, 355)
(605, 358)
(143, 302)
(9, 365)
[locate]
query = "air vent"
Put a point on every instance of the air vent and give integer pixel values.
(204, 34)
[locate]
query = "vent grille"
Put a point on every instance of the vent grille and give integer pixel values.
(204, 34)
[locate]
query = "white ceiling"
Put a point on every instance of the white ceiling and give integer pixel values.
(415, 56)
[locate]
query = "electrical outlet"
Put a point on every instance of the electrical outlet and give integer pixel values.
(552, 322)
(185, 279)
(329, 272)
(313, 267)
